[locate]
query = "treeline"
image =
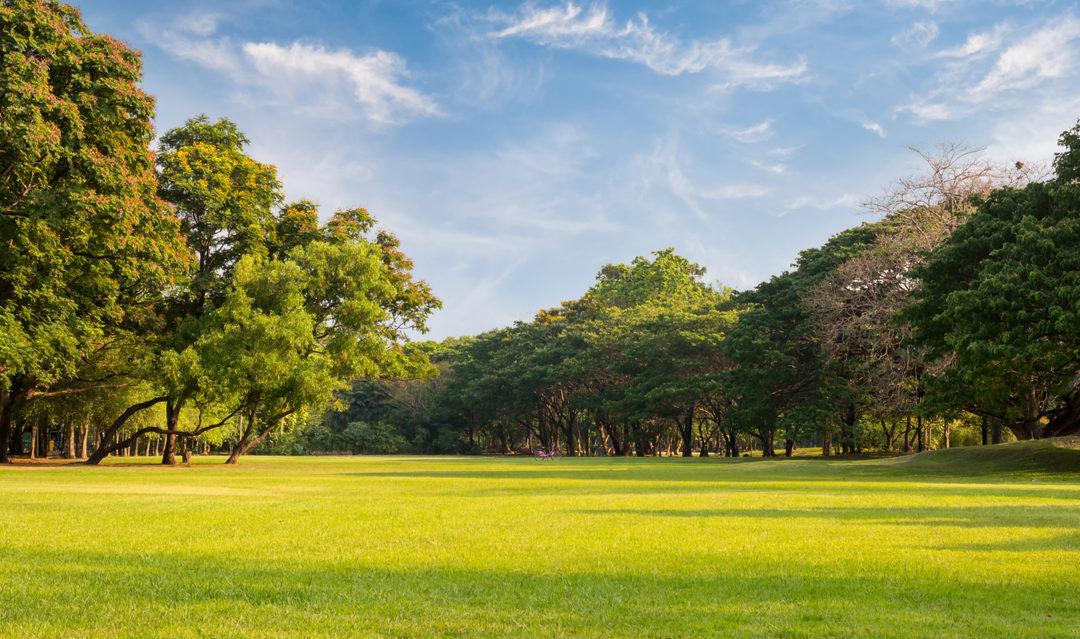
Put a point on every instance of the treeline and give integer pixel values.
(156, 301)
(953, 319)
(171, 300)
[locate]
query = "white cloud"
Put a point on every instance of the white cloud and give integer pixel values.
(375, 78)
(919, 34)
(754, 133)
(218, 53)
(595, 31)
(874, 127)
(1005, 69)
(977, 44)
(784, 151)
(823, 204)
(1044, 54)
(558, 23)
(931, 5)
(665, 171)
(200, 24)
(930, 111)
(778, 169)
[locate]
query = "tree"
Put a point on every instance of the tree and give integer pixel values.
(779, 377)
(87, 246)
(225, 201)
(293, 331)
(1000, 295)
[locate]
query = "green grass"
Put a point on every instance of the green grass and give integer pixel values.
(960, 543)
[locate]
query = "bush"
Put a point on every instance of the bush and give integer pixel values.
(376, 438)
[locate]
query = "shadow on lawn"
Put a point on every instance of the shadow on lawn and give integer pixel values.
(960, 516)
(127, 593)
(692, 478)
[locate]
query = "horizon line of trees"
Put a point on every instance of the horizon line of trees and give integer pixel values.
(171, 300)
(953, 318)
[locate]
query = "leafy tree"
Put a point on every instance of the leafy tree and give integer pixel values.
(296, 330)
(779, 378)
(87, 246)
(1000, 295)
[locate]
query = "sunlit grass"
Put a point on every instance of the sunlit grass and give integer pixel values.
(946, 545)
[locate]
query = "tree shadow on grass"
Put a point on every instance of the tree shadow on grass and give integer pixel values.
(145, 594)
(1006, 463)
(959, 516)
(700, 478)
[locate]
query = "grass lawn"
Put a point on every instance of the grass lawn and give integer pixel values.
(959, 543)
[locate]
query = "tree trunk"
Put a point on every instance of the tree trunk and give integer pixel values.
(847, 431)
(826, 444)
(1065, 421)
(172, 421)
(921, 433)
(985, 431)
(641, 441)
(995, 431)
(35, 437)
(244, 443)
(789, 447)
(571, 437)
(687, 432)
(5, 427)
(766, 437)
(947, 432)
(69, 440)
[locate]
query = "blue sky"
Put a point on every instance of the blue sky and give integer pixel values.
(515, 148)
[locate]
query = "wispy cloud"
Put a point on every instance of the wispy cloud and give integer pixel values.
(778, 169)
(190, 38)
(200, 24)
(664, 170)
(919, 34)
(932, 5)
(376, 80)
(1047, 53)
(822, 203)
(593, 29)
(1000, 66)
(754, 133)
(977, 44)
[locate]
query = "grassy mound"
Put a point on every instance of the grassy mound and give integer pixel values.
(1048, 456)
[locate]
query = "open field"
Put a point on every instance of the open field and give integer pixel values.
(961, 543)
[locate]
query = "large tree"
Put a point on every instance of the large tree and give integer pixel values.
(779, 379)
(86, 244)
(1001, 296)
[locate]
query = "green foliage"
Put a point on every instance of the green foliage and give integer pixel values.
(1001, 298)
(666, 278)
(779, 378)
(224, 200)
(375, 438)
(87, 247)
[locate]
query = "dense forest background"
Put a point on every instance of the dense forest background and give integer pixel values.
(167, 299)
